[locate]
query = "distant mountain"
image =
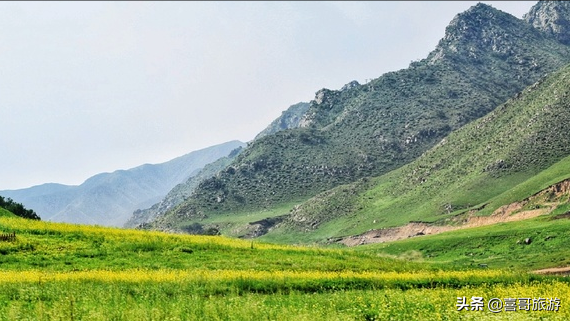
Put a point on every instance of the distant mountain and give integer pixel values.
(110, 198)
(363, 130)
(291, 118)
(180, 192)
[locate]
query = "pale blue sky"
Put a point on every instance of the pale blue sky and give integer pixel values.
(90, 87)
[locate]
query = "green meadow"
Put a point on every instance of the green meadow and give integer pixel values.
(55, 271)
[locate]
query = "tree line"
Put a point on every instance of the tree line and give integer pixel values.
(17, 208)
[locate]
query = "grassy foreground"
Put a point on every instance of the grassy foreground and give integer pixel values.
(71, 272)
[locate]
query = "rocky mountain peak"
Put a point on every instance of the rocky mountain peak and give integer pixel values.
(551, 17)
(350, 85)
(323, 96)
(481, 28)
(479, 21)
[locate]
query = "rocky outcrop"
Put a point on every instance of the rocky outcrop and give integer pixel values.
(551, 17)
(481, 30)
(291, 118)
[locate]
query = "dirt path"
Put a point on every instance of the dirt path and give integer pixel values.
(557, 271)
(502, 214)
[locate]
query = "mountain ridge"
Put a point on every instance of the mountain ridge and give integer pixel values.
(180, 192)
(512, 153)
(109, 198)
(290, 118)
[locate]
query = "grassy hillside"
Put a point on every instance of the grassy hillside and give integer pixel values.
(66, 247)
(506, 156)
(5, 213)
(367, 130)
(497, 246)
(58, 271)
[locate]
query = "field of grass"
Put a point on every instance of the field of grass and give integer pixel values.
(55, 271)
(237, 224)
(4, 212)
(182, 300)
(500, 246)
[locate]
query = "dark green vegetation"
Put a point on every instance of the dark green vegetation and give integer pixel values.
(368, 130)
(8, 205)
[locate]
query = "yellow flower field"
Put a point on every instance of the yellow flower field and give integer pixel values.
(55, 271)
(229, 275)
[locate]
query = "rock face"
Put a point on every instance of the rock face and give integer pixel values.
(483, 30)
(289, 119)
(551, 17)
(350, 85)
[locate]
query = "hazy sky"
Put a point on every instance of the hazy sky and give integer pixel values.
(90, 87)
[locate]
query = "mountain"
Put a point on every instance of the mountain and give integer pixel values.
(180, 192)
(551, 17)
(110, 198)
(290, 118)
(506, 157)
(363, 130)
(44, 199)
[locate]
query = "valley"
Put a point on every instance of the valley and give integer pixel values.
(424, 194)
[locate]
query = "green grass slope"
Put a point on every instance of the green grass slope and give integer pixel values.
(510, 154)
(498, 246)
(60, 247)
(5, 213)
